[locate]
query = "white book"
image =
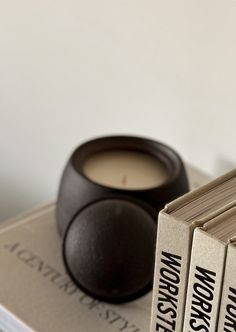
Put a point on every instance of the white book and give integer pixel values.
(210, 246)
(227, 314)
(173, 250)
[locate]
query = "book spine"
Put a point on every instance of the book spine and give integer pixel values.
(205, 283)
(174, 240)
(227, 315)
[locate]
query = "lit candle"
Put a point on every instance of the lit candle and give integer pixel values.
(124, 169)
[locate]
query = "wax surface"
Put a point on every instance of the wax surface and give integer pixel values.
(125, 169)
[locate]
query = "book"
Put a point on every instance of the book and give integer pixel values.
(210, 244)
(36, 294)
(35, 287)
(227, 311)
(177, 222)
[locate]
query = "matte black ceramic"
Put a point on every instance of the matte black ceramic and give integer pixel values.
(99, 242)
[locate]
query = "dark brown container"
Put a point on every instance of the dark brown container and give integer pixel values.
(109, 234)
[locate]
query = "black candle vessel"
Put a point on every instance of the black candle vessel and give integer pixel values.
(110, 194)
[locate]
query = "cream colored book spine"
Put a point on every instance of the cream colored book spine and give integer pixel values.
(205, 282)
(171, 268)
(173, 250)
(227, 315)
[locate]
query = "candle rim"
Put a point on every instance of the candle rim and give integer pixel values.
(131, 143)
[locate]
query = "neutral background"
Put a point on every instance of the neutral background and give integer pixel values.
(71, 70)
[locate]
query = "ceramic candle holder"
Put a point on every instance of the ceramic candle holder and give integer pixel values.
(109, 198)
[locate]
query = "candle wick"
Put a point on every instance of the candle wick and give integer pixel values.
(124, 180)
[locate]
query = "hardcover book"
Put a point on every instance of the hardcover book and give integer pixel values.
(227, 314)
(36, 294)
(207, 267)
(174, 241)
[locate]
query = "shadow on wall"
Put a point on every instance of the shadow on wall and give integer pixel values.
(222, 165)
(14, 199)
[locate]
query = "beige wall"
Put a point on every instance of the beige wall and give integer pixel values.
(71, 70)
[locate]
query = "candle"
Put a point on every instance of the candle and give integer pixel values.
(111, 191)
(125, 169)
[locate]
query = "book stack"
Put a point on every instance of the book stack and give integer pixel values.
(195, 270)
(36, 294)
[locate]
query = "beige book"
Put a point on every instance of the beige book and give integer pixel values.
(207, 266)
(174, 241)
(227, 315)
(36, 294)
(36, 291)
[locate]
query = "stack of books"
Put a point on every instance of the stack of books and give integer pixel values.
(195, 270)
(36, 294)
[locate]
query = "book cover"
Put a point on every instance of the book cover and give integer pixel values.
(227, 314)
(207, 268)
(205, 281)
(174, 241)
(36, 294)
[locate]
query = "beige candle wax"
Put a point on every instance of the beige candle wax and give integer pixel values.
(125, 169)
